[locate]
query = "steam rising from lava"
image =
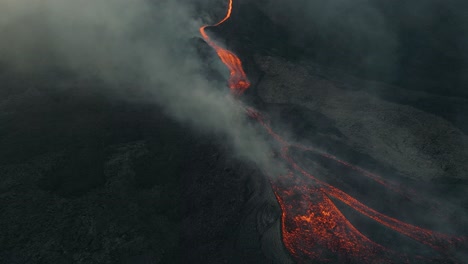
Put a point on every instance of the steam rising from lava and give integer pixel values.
(141, 50)
(145, 43)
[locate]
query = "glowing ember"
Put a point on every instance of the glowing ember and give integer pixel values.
(238, 81)
(313, 228)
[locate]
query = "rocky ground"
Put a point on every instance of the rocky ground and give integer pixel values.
(86, 177)
(419, 144)
(346, 117)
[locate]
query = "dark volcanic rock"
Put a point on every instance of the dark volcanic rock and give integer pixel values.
(88, 178)
(85, 179)
(419, 144)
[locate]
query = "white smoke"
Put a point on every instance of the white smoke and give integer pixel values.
(141, 42)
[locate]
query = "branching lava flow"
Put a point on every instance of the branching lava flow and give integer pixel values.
(313, 228)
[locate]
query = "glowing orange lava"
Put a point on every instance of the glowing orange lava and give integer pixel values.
(238, 81)
(313, 228)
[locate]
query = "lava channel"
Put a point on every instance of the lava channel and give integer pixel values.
(238, 81)
(312, 227)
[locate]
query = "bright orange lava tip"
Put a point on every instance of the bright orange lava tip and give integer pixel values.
(238, 81)
(313, 228)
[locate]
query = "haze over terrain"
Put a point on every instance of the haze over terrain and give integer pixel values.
(121, 143)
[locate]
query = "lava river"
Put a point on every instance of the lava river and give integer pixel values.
(238, 81)
(312, 226)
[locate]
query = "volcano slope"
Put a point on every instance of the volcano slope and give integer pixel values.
(412, 148)
(362, 123)
(90, 179)
(152, 188)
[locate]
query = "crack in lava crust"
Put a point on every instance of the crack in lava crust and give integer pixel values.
(313, 228)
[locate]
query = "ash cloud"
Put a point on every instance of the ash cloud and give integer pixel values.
(145, 43)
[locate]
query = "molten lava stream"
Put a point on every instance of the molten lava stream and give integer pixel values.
(408, 193)
(313, 228)
(311, 223)
(437, 241)
(238, 81)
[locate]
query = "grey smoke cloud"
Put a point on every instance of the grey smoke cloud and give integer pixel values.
(141, 42)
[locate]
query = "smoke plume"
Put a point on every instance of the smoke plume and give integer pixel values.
(146, 43)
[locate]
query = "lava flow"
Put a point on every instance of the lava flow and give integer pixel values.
(238, 81)
(313, 228)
